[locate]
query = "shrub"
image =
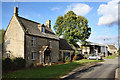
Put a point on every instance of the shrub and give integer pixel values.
(75, 57)
(19, 63)
(7, 65)
(72, 56)
(79, 56)
(67, 59)
(15, 64)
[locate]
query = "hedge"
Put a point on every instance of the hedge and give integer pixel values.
(13, 64)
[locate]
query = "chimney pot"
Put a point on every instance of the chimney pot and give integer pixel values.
(114, 44)
(16, 11)
(48, 23)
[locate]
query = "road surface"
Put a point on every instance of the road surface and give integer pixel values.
(104, 71)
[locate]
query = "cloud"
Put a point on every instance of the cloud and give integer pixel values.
(79, 8)
(108, 39)
(55, 8)
(109, 13)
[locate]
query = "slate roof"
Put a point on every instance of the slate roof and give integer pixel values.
(64, 45)
(31, 27)
(112, 47)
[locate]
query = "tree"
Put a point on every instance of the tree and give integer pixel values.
(73, 28)
(1, 36)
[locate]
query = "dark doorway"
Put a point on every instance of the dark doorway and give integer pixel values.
(47, 57)
(65, 54)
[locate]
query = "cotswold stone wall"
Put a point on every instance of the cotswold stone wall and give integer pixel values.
(14, 39)
(39, 43)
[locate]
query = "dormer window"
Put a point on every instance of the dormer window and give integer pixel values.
(43, 29)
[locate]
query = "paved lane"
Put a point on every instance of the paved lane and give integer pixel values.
(106, 70)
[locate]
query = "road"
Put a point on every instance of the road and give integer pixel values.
(104, 71)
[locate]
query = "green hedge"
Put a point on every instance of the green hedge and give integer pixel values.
(13, 64)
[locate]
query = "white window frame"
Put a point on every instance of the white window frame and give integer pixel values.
(8, 54)
(33, 41)
(43, 29)
(50, 43)
(33, 55)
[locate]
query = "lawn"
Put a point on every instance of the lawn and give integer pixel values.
(109, 57)
(54, 71)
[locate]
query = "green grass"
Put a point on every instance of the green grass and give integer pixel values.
(87, 61)
(54, 71)
(109, 57)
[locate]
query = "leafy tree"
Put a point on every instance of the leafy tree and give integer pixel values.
(1, 36)
(73, 28)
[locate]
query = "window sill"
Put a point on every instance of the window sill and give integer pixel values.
(33, 46)
(33, 59)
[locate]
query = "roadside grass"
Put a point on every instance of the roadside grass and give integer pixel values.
(118, 73)
(88, 61)
(54, 71)
(109, 57)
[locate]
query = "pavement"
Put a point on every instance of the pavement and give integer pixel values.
(106, 71)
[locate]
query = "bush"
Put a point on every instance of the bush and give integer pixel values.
(75, 57)
(15, 64)
(7, 65)
(19, 63)
(67, 59)
(72, 56)
(79, 56)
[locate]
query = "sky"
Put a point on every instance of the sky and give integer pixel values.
(102, 16)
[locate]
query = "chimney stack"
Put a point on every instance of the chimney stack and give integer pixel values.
(48, 23)
(16, 11)
(114, 44)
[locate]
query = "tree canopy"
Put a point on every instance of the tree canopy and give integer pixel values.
(74, 28)
(1, 35)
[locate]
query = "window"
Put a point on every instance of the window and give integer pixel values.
(33, 55)
(33, 41)
(8, 54)
(50, 43)
(43, 29)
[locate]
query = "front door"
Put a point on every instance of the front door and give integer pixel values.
(47, 56)
(66, 54)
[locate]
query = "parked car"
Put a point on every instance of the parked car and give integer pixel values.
(96, 57)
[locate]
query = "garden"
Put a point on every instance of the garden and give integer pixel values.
(53, 71)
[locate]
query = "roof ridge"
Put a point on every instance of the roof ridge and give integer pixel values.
(29, 20)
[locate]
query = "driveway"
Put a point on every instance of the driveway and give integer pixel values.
(104, 71)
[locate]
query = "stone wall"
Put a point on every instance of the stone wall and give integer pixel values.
(39, 43)
(14, 39)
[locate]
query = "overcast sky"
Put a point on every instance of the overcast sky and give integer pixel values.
(102, 16)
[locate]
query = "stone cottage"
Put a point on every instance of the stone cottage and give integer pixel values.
(112, 49)
(34, 42)
(65, 49)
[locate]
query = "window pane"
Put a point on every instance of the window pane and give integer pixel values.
(43, 30)
(33, 55)
(33, 41)
(50, 44)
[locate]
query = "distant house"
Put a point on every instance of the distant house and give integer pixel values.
(94, 48)
(112, 49)
(65, 49)
(34, 42)
(85, 49)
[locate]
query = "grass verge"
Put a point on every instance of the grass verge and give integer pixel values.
(109, 57)
(54, 71)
